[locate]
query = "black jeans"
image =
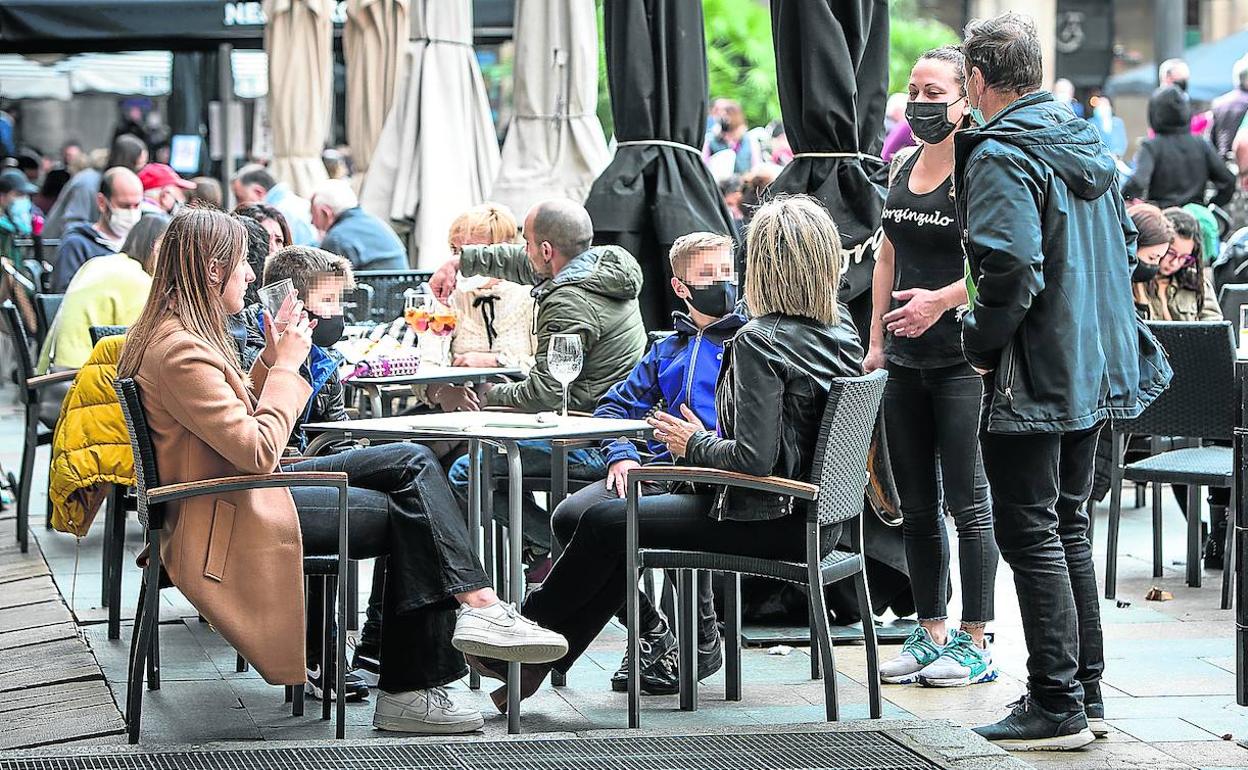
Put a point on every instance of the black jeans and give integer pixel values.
(568, 515)
(587, 584)
(1040, 484)
(928, 414)
(399, 507)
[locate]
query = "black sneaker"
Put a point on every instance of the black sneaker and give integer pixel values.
(654, 645)
(1029, 727)
(365, 666)
(357, 690)
(1096, 718)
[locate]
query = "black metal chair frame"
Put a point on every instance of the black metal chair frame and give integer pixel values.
(839, 499)
(1201, 403)
(46, 307)
(387, 287)
(35, 434)
(152, 498)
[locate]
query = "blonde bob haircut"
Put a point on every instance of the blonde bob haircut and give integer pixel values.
(793, 260)
(486, 223)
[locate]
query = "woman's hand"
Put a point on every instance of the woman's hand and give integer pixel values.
(873, 360)
(452, 398)
(291, 308)
(922, 309)
(675, 432)
(476, 360)
(293, 346)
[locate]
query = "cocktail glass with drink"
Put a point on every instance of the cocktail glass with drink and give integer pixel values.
(442, 325)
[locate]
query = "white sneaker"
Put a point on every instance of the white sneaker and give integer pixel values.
(502, 633)
(424, 711)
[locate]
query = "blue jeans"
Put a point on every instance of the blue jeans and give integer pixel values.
(535, 456)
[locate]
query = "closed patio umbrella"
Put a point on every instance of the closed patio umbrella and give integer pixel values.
(657, 188)
(555, 146)
(298, 39)
(373, 41)
(437, 154)
(832, 73)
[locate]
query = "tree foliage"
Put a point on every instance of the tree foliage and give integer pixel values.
(741, 62)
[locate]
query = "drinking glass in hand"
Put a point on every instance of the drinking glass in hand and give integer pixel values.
(564, 358)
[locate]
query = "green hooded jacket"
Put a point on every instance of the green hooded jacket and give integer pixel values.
(595, 296)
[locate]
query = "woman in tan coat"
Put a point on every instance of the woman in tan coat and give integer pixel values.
(238, 556)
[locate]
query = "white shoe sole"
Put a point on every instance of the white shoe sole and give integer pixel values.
(412, 725)
(1099, 727)
(1071, 742)
(900, 678)
(988, 676)
(367, 677)
(520, 652)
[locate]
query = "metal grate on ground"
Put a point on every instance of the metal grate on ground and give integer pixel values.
(858, 750)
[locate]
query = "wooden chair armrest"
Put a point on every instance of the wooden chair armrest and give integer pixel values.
(44, 380)
(172, 492)
(677, 473)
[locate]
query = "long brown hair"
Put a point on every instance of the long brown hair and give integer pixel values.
(196, 238)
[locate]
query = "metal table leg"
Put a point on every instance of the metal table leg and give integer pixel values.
(558, 492)
(375, 405)
(474, 520)
(515, 492)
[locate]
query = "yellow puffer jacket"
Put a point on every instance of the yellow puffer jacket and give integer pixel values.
(91, 446)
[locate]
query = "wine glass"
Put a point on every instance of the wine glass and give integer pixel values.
(442, 324)
(418, 310)
(564, 358)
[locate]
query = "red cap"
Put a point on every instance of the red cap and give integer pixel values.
(157, 175)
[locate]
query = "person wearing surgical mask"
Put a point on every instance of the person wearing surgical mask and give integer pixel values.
(15, 208)
(119, 203)
(932, 394)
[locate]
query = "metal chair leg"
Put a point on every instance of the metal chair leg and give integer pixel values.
(1194, 520)
(873, 651)
(27, 471)
(117, 559)
(732, 636)
(106, 554)
(139, 645)
(1139, 494)
(632, 605)
(329, 592)
(1228, 556)
(353, 596)
(821, 644)
(153, 658)
(687, 638)
(241, 665)
(1158, 531)
(815, 672)
(1115, 515)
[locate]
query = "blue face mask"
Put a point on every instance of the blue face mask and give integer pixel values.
(19, 212)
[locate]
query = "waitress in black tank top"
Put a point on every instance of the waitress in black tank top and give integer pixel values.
(932, 400)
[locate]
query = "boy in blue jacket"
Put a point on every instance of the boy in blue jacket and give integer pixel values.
(677, 375)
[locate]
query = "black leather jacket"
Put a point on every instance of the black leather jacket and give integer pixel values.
(772, 390)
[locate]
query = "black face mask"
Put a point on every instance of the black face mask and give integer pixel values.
(716, 300)
(725, 125)
(328, 329)
(929, 121)
(1144, 272)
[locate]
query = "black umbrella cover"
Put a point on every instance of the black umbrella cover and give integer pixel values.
(832, 72)
(656, 191)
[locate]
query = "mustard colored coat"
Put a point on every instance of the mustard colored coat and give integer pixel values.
(90, 446)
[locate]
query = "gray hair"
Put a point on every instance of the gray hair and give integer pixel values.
(793, 260)
(141, 243)
(336, 194)
(1167, 68)
(564, 224)
(1006, 49)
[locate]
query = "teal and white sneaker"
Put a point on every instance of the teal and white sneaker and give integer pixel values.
(962, 662)
(917, 653)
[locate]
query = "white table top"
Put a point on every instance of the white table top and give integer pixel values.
(506, 426)
(429, 374)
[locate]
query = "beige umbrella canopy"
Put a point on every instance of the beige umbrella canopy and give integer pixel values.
(298, 36)
(555, 146)
(373, 41)
(437, 154)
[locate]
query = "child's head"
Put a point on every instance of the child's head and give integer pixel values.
(483, 225)
(704, 273)
(320, 278)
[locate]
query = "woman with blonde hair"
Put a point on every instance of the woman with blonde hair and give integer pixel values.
(209, 419)
(772, 392)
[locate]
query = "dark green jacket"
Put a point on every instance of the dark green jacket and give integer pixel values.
(595, 296)
(1051, 250)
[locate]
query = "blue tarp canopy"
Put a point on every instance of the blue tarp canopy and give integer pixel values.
(1211, 70)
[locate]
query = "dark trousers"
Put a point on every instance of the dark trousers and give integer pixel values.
(587, 584)
(400, 507)
(929, 414)
(1040, 484)
(563, 523)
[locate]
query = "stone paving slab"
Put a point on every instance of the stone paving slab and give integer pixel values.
(55, 713)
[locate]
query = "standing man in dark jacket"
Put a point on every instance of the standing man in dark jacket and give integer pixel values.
(1175, 167)
(1053, 330)
(1229, 109)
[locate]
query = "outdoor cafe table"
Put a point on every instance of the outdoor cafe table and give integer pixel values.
(427, 374)
(504, 430)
